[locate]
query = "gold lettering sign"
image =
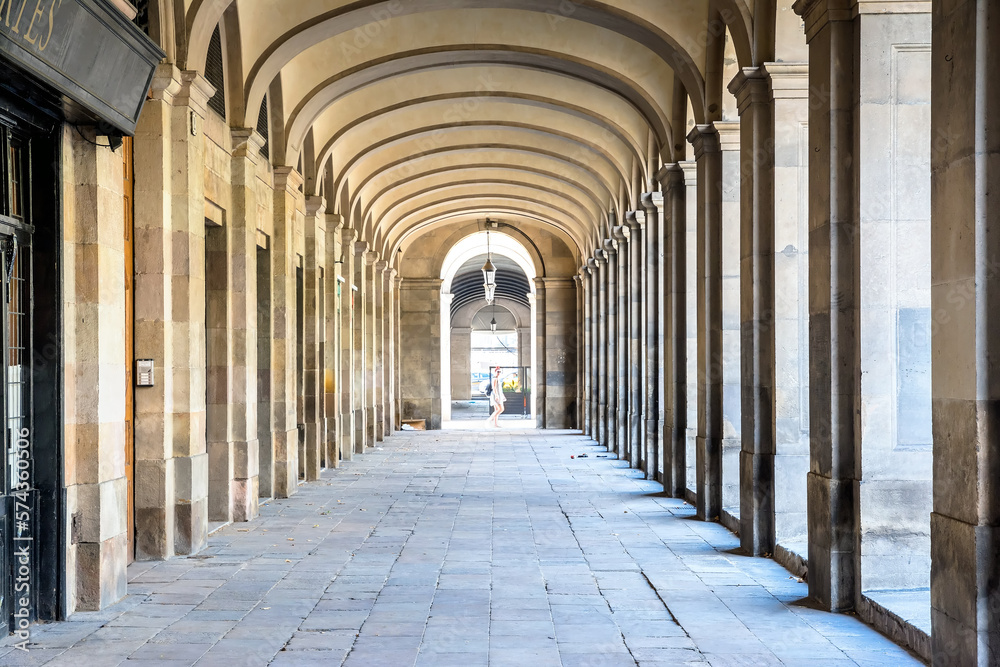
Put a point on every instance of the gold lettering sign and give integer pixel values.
(35, 30)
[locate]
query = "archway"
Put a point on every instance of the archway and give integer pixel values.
(478, 335)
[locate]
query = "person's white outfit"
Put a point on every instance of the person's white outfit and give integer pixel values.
(497, 399)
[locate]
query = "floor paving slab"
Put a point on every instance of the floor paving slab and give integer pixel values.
(466, 548)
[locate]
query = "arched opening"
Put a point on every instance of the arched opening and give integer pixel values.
(479, 335)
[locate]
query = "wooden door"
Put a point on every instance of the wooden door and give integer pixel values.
(129, 345)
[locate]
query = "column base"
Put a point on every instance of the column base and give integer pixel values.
(709, 478)
(220, 481)
(346, 432)
(832, 542)
(757, 503)
(370, 426)
(286, 463)
(636, 448)
(312, 449)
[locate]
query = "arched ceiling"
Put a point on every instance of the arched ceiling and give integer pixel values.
(420, 113)
(511, 283)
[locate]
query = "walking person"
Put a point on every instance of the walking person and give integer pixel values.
(497, 398)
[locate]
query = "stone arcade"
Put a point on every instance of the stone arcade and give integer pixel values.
(750, 247)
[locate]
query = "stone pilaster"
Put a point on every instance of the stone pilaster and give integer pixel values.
(675, 334)
(708, 452)
(420, 327)
(789, 89)
(348, 430)
(188, 310)
(369, 291)
(729, 144)
(332, 357)
(654, 315)
(689, 283)
(380, 348)
(361, 345)
(289, 211)
(588, 343)
(834, 293)
(758, 308)
(313, 395)
(558, 303)
(242, 229)
(391, 349)
(581, 348)
(965, 163)
(155, 475)
(594, 352)
(541, 353)
(611, 338)
(94, 315)
(635, 367)
(397, 286)
(620, 235)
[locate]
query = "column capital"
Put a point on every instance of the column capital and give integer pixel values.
(704, 139)
(361, 247)
(620, 233)
(610, 247)
(600, 257)
(539, 286)
(447, 298)
(334, 221)
(315, 206)
(568, 282)
(689, 170)
(788, 80)
(817, 13)
(348, 235)
(371, 258)
(195, 92)
(591, 264)
(749, 86)
(653, 200)
(247, 143)
(166, 83)
(286, 178)
(729, 134)
(635, 219)
(578, 279)
(671, 176)
(381, 266)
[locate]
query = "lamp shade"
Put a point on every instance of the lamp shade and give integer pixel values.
(489, 272)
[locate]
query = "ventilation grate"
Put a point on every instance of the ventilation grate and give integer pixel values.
(215, 74)
(262, 126)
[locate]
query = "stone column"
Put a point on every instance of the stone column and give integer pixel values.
(705, 140)
(638, 457)
(965, 161)
(602, 346)
(312, 365)
(188, 314)
(757, 290)
(94, 314)
(397, 286)
(620, 235)
(332, 360)
(218, 383)
(361, 375)
(674, 349)
(655, 314)
(288, 212)
(789, 88)
(420, 367)
(611, 344)
(594, 280)
(369, 300)
(378, 286)
(348, 433)
(243, 323)
(834, 394)
(154, 327)
(587, 386)
(541, 353)
(694, 343)
(389, 356)
(729, 144)
(558, 305)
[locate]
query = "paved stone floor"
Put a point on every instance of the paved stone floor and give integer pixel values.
(466, 548)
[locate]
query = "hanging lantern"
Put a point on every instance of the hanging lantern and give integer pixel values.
(489, 271)
(493, 325)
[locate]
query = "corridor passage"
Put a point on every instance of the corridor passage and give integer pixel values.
(466, 548)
